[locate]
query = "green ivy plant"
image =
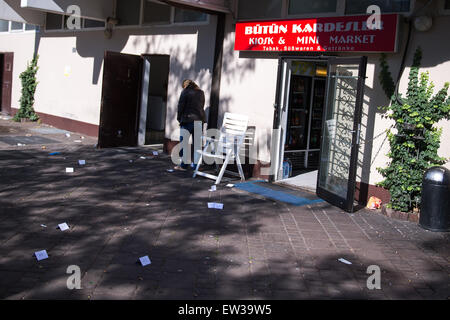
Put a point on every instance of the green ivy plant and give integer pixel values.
(29, 84)
(414, 140)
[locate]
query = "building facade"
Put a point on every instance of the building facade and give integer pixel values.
(126, 60)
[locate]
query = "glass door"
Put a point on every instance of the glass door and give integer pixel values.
(341, 131)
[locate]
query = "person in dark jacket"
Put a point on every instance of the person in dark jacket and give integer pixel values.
(190, 109)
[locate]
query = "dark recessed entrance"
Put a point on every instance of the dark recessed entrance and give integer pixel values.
(152, 124)
(134, 100)
(6, 70)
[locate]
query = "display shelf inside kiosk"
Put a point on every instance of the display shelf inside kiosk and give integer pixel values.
(304, 123)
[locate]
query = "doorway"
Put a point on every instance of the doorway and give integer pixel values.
(320, 102)
(134, 100)
(305, 99)
(6, 70)
(152, 122)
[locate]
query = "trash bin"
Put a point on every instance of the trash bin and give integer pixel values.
(435, 203)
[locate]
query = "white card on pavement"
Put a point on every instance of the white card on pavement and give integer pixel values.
(214, 205)
(155, 153)
(145, 261)
(344, 261)
(69, 170)
(81, 162)
(63, 226)
(213, 188)
(41, 255)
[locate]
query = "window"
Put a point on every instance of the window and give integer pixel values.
(88, 23)
(128, 12)
(65, 27)
(156, 13)
(307, 6)
(16, 26)
(56, 22)
(29, 27)
(4, 25)
(259, 9)
(360, 6)
(11, 26)
(53, 21)
(182, 15)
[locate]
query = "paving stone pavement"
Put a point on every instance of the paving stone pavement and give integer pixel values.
(120, 207)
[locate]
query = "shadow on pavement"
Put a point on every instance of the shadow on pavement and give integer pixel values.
(120, 207)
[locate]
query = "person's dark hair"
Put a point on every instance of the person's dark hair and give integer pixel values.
(189, 83)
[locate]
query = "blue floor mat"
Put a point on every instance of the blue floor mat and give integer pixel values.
(275, 195)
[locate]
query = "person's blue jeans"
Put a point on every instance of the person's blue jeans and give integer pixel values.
(189, 127)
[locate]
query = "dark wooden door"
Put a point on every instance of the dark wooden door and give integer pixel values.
(6, 79)
(119, 111)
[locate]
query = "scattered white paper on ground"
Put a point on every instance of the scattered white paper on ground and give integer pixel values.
(41, 255)
(43, 226)
(143, 158)
(344, 261)
(213, 188)
(21, 144)
(214, 205)
(77, 141)
(145, 261)
(69, 170)
(63, 226)
(68, 135)
(169, 170)
(230, 185)
(81, 162)
(155, 153)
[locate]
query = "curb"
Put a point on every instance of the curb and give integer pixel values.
(405, 216)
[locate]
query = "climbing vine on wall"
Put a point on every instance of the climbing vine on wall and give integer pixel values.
(29, 84)
(414, 140)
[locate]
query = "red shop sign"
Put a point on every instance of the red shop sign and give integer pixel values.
(346, 34)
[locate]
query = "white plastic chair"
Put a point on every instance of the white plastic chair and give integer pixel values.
(226, 147)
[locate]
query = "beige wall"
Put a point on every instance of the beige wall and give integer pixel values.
(22, 44)
(71, 66)
(248, 86)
